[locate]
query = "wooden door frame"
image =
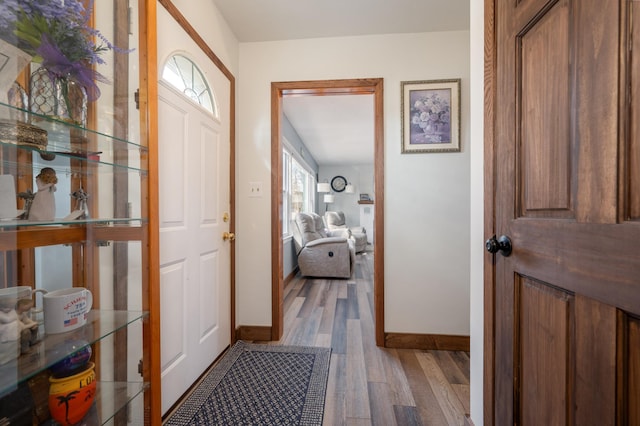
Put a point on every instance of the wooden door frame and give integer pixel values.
(189, 30)
(372, 86)
(489, 210)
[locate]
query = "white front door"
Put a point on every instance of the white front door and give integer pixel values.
(194, 157)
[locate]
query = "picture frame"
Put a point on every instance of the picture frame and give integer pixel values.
(430, 116)
(365, 197)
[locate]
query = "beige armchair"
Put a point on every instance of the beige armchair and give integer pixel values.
(322, 253)
(335, 222)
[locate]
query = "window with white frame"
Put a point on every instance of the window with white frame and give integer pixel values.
(298, 185)
(183, 74)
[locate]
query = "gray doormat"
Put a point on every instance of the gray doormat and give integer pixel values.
(260, 385)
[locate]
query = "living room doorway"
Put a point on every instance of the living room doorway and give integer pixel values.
(280, 90)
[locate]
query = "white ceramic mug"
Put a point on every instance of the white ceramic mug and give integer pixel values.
(66, 309)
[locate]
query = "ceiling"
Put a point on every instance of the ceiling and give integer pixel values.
(269, 20)
(337, 130)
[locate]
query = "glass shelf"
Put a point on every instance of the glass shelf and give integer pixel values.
(132, 221)
(120, 394)
(92, 162)
(66, 139)
(53, 348)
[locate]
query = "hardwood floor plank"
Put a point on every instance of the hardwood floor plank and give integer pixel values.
(358, 271)
(379, 405)
(290, 317)
(395, 376)
(352, 302)
(329, 313)
(462, 360)
(350, 421)
(406, 416)
(463, 393)
(323, 294)
(292, 289)
(444, 393)
(305, 330)
(449, 367)
(289, 297)
(342, 288)
(334, 405)
(373, 356)
(339, 331)
(428, 407)
(310, 293)
(323, 340)
(357, 389)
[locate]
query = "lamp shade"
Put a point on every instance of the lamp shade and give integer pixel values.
(324, 187)
(349, 189)
(329, 198)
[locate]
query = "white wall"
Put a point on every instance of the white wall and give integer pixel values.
(361, 176)
(211, 26)
(477, 208)
(427, 195)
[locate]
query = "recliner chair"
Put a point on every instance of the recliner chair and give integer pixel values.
(322, 253)
(335, 222)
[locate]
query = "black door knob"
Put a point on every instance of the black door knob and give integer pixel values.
(502, 245)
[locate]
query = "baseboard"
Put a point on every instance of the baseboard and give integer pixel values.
(253, 333)
(441, 342)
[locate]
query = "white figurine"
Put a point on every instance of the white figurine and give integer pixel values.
(28, 327)
(23, 309)
(10, 335)
(10, 326)
(44, 204)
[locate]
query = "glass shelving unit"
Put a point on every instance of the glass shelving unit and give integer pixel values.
(101, 243)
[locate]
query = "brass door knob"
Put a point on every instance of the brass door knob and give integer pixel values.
(228, 236)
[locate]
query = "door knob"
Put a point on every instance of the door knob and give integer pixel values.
(502, 245)
(228, 236)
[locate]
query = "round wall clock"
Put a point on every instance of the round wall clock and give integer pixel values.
(338, 183)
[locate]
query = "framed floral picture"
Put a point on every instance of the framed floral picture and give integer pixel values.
(430, 116)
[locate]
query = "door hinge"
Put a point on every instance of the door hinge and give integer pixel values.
(130, 19)
(140, 368)
(136, 97)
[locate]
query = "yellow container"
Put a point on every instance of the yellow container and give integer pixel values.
(70, 398)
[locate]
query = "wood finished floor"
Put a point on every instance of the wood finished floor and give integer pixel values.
(369, 385)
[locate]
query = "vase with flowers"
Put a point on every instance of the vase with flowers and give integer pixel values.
(58, 34)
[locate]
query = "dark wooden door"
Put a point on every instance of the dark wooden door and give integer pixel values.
(564, 320)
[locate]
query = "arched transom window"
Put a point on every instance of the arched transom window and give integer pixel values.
(184, 75)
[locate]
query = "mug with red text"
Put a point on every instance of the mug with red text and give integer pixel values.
(66, 309)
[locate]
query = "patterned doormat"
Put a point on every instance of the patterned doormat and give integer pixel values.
(260, 385)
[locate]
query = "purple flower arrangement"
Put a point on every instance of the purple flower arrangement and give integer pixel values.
(58, 35)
